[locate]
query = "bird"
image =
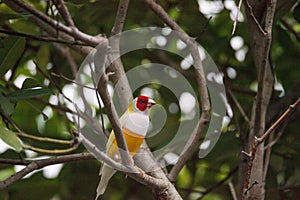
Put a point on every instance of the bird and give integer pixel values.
(134, 124)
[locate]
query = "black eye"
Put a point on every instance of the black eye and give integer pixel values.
(143, 101)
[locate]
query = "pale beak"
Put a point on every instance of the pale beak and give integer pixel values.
(151, 103)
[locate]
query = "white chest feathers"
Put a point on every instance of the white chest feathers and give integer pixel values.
(137, 123)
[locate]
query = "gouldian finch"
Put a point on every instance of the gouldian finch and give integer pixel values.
(135, 123)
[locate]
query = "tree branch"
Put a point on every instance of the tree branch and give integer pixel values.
(250, 11)
(238, 105)
(238, 10)
(229, 175)
(74, 32)
(145, 160)
(261, 139)
(42, 39)
(204, 97)
(71, 35)
(157, 179)
(232, 191)
(114, 120)
(64, 12)
(123, 89)
(278, 122)
(102, 85)
(290, 28)
(260, 42)
(32, 165)
(120, 17)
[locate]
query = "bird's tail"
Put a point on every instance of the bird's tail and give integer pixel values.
(106, 173)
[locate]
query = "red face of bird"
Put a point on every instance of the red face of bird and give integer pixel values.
(143, 103)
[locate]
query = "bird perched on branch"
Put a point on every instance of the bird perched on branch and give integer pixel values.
(135, 123)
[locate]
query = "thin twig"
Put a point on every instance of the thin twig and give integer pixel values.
(61, 108)
(54, 83)
(236, 17)
(278, 135)
(163, 58)
(51, 151)
(37, 138)
(244, 91)
(238, 105)
(93, 75)
(279, 121)
(65, 51)
(42, 39)
(250, 10)
(72, 81)
(232, 190)
(228, 176)
(44, 139)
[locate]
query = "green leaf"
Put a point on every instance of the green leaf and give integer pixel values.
(9, 55)
(6, 105)
(184, 177)
(5, 173)
(42, 56)
(31, 83)
(29, 93)
(10, 138)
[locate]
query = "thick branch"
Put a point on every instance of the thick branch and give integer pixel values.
(165, 190)
(204, 97)
(114, 120)
(120, 17)
(260, 44)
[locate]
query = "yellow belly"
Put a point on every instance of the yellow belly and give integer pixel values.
(133, 141)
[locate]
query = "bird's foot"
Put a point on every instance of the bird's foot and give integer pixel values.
(140, 171)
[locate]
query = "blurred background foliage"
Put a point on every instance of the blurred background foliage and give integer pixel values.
(42, 113)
